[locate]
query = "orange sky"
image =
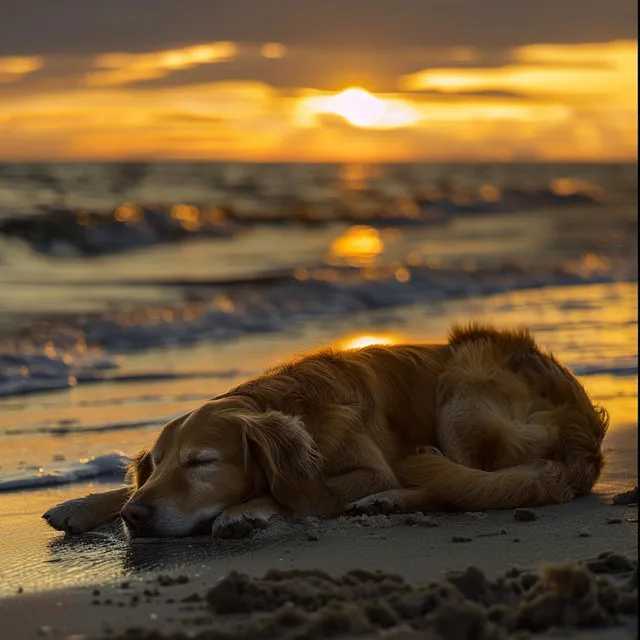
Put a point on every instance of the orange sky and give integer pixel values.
(541, 102)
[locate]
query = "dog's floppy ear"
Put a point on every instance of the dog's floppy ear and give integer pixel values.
(140, 469)
(282, 447)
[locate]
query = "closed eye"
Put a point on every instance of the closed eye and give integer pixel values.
(201, 459)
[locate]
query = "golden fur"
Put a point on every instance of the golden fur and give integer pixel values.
(486, 421)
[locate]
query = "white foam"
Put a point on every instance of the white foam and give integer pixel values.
(110, 464)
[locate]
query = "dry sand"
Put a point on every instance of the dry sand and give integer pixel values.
(291, 580)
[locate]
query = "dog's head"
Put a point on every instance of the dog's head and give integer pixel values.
(221, 454)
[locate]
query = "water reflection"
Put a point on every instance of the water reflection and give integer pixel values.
(358, 246)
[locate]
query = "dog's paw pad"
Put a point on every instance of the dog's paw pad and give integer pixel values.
(372, 506)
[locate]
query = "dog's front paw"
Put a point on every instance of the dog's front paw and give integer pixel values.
(69, 516)
(376, 504)
(237, 522)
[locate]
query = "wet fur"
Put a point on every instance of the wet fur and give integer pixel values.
(487, 421)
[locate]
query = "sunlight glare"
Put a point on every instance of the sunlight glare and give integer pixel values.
(360, 245)
(365, 340)
(359, 108)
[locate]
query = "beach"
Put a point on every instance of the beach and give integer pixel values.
(98, 352)
(165, 583)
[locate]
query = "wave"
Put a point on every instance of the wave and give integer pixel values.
(616, 370)
(109, 466)
(67, 232)
(231, 310)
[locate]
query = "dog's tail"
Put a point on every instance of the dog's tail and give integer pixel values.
(439, 484)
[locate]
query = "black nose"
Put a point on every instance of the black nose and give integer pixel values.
(136, 514)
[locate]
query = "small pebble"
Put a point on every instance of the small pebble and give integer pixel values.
(584, 533)
(45, 630)
(524, 515)
(312, 537)
(460, 539)
(614, 521)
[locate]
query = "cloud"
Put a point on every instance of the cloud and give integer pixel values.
(127, 68)
(31, 27)
(15, 67)
(576, 74)
(545, 102)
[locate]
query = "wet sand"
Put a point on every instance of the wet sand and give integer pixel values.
(169, 580)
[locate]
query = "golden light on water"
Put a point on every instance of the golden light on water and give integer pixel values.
(128, 212)
(359, 246)
(187, 215)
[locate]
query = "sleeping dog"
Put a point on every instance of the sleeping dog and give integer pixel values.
(486, 421)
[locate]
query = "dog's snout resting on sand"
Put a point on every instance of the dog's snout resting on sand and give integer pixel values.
(486, 421)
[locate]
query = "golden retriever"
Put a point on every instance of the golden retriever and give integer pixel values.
(486, 421)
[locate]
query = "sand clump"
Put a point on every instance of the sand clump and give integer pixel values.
(525, 515)
(626, 497)
(309, 604)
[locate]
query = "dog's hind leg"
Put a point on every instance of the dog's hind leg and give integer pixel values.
(435, 483)
(84, 514)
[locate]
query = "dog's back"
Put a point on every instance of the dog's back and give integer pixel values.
(490, 400)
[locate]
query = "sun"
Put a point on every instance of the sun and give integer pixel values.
(357, 106)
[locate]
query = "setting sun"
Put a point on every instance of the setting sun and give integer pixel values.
(357, 106)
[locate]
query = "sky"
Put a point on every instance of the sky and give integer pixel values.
(310, 80)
